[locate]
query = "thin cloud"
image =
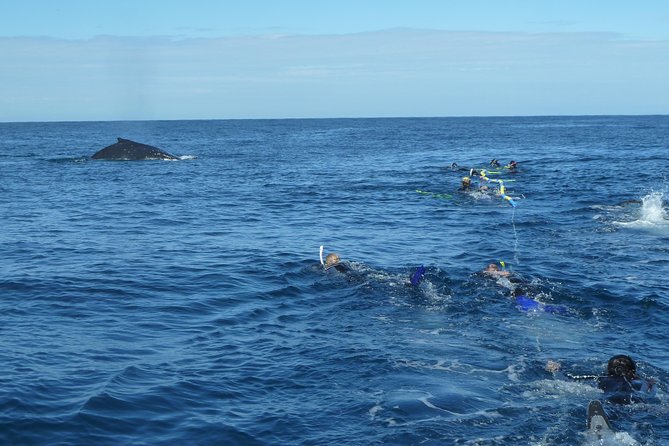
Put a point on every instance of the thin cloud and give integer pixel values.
(428, 72)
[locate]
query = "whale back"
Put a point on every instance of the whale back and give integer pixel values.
(127, 150)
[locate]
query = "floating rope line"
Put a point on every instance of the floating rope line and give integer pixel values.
(483, 179)
(515, 235)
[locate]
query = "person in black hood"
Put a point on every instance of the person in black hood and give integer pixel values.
(621, 384)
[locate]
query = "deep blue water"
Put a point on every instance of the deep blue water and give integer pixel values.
(183, 302)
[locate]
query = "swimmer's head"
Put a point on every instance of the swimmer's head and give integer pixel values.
(621, 365)
(466, 181)
(331, 260)
(492, 267)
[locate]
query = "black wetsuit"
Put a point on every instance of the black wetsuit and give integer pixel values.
(341, 267)
(620, 390)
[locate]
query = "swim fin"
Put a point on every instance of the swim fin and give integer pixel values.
(417, 275)
(598, 422)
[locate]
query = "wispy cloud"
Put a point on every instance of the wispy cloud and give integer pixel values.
(425, 72)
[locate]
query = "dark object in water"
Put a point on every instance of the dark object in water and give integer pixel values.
(127, 150)
(417, 276)
(598, 423)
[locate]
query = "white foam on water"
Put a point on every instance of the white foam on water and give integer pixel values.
(652, 210)
(652, 214)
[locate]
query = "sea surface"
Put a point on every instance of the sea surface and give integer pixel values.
(184, 302)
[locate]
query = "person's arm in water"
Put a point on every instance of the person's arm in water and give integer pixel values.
(645, 385)
(555, 368)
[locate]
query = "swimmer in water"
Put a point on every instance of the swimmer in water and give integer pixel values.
(621, 384)
(332, 260)
(494, 163)
(502, 277)
(512, 165)
(518, 291)
(466, 184)
(494, 270)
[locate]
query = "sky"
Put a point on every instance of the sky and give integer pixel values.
(96, 60)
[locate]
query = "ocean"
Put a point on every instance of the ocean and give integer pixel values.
(184, 302)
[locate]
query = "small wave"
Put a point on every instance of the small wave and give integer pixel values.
(79, 159)
(478, 195)
(187, 157)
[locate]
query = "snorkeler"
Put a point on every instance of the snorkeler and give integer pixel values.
(494, 163)
(518, 290)
(494, 270)
(501, 276)
(332, 260)
(512, 165)
(621, 384)
(466, 184)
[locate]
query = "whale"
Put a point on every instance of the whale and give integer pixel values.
(127, 150)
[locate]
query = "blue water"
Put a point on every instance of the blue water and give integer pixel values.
(183, 302)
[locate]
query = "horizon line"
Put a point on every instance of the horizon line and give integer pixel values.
(594, 115)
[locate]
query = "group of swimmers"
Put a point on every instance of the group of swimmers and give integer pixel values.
(621, 383)
(466, 183)
(493, 163)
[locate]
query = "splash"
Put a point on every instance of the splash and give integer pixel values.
(652, 214)
(652, 211)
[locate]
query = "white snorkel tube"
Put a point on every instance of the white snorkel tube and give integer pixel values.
(321, 256)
